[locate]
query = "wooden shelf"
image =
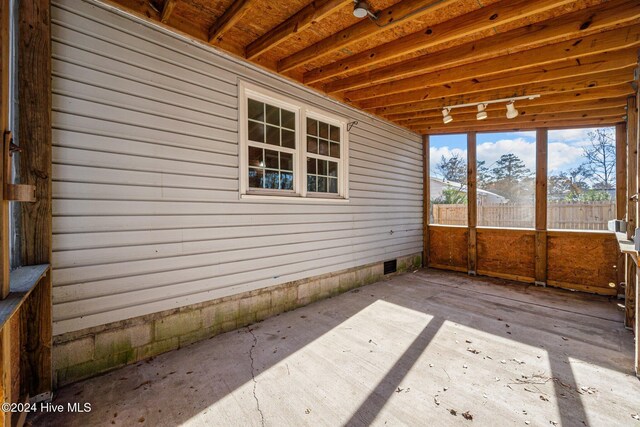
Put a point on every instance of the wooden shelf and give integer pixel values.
(23, 280)
(627, 246)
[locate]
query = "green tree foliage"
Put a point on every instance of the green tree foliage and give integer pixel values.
(453, 168)
(450, 196)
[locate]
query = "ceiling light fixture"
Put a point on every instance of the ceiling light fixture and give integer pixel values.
(361, 9)
(446, 117)
(482, 115)
(512, 112)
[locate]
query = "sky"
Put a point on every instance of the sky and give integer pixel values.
(565, 147)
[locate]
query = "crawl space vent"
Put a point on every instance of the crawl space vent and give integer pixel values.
(390, 266)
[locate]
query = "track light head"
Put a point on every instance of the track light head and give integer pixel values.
(512, 112)
(360, 9)
(482, 114)
(446, 117)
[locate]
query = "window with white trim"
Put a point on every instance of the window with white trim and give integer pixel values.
(290, 149)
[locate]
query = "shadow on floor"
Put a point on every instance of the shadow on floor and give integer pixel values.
(348, 360)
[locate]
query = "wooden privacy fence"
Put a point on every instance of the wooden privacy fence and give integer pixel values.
(560, 215)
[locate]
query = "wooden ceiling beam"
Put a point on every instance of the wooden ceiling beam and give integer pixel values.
(515, 127)
(512, 43)
(228, 19)
(167, 10)
(610, 114)
(576, 69)
(473, 22)
(498, 111)
(389, 18)
(498, 68)
(599, 80)
(303, 19)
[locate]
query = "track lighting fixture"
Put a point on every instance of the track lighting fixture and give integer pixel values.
(482, 114)
(512, 112)
(446, 117)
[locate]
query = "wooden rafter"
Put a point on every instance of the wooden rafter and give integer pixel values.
(503, 44)
(167, 10)
(563, 85)
(498, 68)
(513, 79)
(474, 22)
(389, 18)
(228, 19)
(303, 19)
(551, 101)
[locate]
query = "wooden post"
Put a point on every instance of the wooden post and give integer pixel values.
(5, 333)
(472, 204)
(632, 165)
(633, 121)
(34, 105)
(541, 207)
(621, 171)
(426, 193)
(632, 183)
(621, 196)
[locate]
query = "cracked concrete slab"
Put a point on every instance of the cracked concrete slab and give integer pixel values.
(429, 348)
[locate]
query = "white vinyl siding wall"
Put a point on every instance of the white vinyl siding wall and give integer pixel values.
(146, 210)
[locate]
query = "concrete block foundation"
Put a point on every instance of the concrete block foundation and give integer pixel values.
(82, 354)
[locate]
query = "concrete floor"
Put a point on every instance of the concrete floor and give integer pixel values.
(427, 348)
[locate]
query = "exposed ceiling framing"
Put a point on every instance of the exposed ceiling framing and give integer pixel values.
(420, 56)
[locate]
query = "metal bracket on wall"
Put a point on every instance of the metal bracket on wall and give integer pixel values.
(14, 192)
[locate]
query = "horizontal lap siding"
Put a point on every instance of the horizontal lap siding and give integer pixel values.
(146, 215)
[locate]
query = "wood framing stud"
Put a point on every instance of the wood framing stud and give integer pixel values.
(34, 101)
(632, 165)
(472, 204)
(229, 18)
(426, 192)
(541, 206)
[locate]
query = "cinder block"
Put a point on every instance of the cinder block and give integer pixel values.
(254, 303)
(347, 281)
(73, 352)
(177, 324)
(329, 286)
(122, 340)
(91, 368)
(156, 347)
(308, 292)
(284, 298)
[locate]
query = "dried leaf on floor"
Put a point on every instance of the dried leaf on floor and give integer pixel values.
(473, 350)
(436, 400)
(453, 412)
(467, 416)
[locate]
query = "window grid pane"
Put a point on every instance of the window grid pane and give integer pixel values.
(323, 139)
(273, 127)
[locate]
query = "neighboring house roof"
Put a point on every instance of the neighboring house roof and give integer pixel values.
(488, 195)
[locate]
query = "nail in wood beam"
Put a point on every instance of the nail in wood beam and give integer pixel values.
(541, 206)
(229, 18)
(472, 206)
(426, 209)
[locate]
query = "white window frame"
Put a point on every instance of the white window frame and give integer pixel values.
(301, 111)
